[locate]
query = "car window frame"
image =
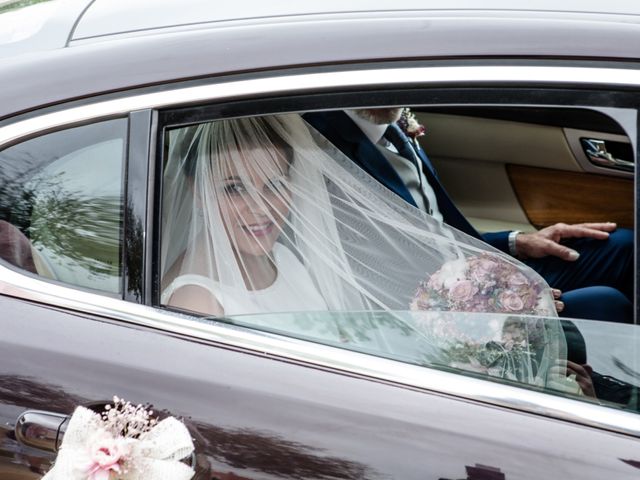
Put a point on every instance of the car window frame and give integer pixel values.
(136, 259)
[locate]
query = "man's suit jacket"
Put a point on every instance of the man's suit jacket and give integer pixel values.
(340, 130)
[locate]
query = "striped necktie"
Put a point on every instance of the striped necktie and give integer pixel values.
(402, 144)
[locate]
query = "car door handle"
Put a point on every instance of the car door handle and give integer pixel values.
(40, 429)
(597, 153)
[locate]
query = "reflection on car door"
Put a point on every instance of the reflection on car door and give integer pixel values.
(256, 417)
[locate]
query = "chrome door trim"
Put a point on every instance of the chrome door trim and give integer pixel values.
(221, 89)
(16, 284)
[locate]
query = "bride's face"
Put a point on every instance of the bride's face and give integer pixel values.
(254, 198)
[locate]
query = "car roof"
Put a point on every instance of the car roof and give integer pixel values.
(108, 62)
(50, 24)
(37, 25)
(112, 17)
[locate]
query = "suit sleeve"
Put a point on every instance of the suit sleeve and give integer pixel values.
(499, 240)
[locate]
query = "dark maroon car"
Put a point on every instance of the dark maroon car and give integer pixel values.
(538, 104)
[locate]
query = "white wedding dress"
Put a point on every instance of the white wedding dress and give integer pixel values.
(292, 291)
(291, 303)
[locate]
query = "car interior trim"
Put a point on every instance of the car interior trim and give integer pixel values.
(20, 285)
(550, 196)
(573, 138)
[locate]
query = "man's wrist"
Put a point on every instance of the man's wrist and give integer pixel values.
(511, 242)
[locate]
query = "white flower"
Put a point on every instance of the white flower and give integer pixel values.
(452, 272)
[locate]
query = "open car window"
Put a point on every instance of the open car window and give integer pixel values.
(269, 225)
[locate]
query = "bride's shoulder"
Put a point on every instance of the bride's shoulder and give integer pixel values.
(193, 292)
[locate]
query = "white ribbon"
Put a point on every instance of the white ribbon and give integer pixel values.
(155, 456)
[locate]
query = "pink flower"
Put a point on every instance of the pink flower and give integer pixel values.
(511, 301)
(409, 124)
(486, 265)
(481, 269)
(462, 291)
(436, 281)
(106, 455)
(517, 279)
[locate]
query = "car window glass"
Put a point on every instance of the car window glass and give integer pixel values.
(267, 223)
(61, 199)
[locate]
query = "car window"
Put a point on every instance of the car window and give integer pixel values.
(268, 223)
(61, 198)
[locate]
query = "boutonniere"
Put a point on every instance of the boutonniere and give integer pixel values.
(409, 124)
(125, 442)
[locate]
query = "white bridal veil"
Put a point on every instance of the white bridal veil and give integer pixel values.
(263, 215)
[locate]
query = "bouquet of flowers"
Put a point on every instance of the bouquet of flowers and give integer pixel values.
(506, 346)
(483, 283)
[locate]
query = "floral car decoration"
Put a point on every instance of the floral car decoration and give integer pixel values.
(125, 442)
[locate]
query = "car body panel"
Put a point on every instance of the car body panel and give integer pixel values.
(298, 422)
(263, 406)
(40, 27)
(110, 17)
(117, 64)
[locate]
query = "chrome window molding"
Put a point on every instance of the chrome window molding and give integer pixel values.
(16, 284)
(300, 83)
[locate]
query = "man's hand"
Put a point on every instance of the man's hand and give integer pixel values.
(559, 304)
(547, 241)
(582, 375)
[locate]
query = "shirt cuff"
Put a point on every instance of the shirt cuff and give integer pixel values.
(512, 242)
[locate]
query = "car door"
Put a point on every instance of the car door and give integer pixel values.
(534, 165)
(259, 403)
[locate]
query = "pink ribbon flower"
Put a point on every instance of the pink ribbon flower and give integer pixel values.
(107, 454)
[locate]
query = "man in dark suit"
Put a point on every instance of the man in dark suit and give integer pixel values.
(592, 263)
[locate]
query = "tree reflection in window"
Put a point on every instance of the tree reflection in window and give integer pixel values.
(64, 192)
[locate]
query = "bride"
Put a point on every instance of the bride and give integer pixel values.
(233, 263)
(262, 215)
